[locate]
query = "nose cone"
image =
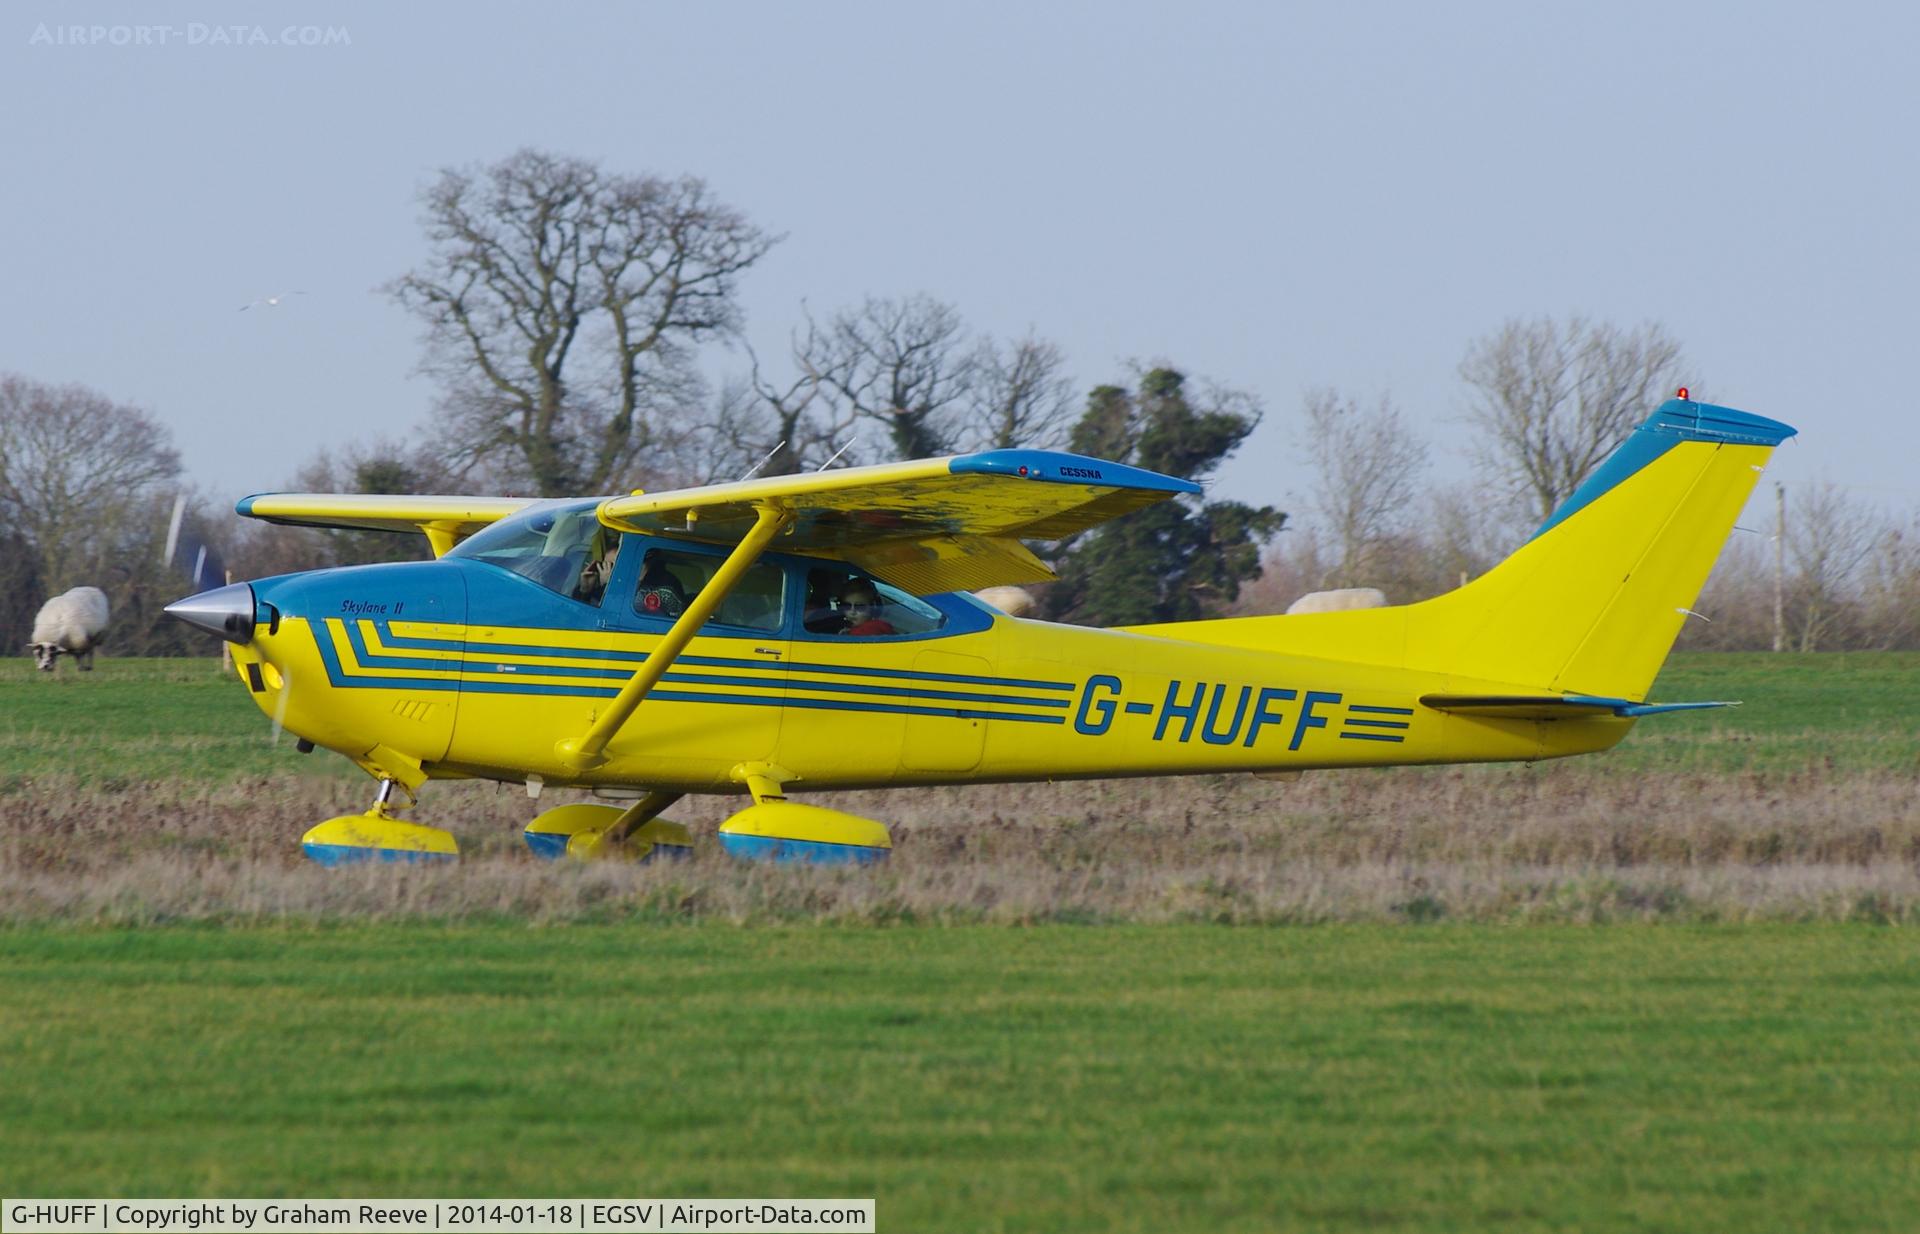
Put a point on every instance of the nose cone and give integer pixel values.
(227, 611)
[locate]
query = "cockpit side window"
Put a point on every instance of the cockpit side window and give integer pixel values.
(671, 578)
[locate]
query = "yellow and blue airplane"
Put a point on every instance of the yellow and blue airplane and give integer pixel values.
(807, 633)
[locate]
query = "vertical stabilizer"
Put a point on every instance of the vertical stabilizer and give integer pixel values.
(1593, 602)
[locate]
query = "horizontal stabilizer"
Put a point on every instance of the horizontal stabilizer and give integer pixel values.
(1552, 706)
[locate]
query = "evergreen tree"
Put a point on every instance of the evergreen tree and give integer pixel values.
(1179, 560)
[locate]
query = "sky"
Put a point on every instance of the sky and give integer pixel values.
(1275, 197)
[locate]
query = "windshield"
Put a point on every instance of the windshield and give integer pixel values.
(562, 546)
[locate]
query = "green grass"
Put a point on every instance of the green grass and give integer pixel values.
(1061, 1078)
(1852, 710)
(167, 719)
(133, 720)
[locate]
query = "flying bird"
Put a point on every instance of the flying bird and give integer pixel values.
(272, 301)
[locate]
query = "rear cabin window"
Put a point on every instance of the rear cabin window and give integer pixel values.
(850, 604)
(669, 580)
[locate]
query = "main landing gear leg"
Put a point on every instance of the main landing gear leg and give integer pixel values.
(377, 835)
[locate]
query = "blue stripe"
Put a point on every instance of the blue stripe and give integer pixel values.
(546, 845)
(827, 704)
(352, 854)
(340, 678)
(1369, 737)
(337, 676)
(849, 687)
(1139, 709)
(1382, 711)
(1376, 723)
(551, 846)
(367, 659)
(505, 671)
(401, 642)
(811, 852)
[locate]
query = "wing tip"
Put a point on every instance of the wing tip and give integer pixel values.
(1060, 467)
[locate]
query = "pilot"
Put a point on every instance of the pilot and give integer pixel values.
(659, 593)
(860, 610)
(599, 568)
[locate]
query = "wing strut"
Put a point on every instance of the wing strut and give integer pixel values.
(589, 750)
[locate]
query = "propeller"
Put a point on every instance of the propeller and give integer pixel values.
(280, 705)
(188, 551)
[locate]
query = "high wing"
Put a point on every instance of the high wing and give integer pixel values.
(445, 521)
(927, 526)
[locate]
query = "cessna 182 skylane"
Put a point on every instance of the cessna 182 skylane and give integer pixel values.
(802, 633)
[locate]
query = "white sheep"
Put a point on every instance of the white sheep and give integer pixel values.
(1013, 601)
(1338, 601)
(73, 623)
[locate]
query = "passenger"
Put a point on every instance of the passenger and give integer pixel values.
(659, 593)
(860, 610)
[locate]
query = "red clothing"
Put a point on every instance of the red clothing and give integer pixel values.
(872, 626)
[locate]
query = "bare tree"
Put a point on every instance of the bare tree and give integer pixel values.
(1367, 463)
(903, 364)
(1552, 399)
(1020, 396)
(72, 464)
(1891, 603)
(1828, 540)
(785, 429)
(562, 303)
(86, 489)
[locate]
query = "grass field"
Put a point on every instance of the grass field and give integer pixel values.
(149, 791)
(1179, 1078)
(1364, 1000)
(133, 721)
(1854, 710)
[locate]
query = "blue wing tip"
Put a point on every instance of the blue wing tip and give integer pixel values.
(1059, 467)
